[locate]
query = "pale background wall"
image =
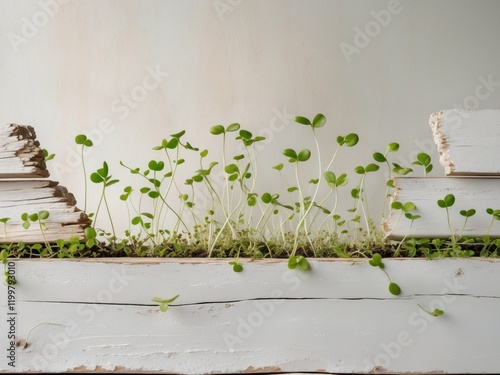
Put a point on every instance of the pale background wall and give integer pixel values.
(66, 66)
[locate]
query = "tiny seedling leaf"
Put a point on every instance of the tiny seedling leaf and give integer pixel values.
(393, 147)
(318, 121)
(377, 156)
(217, 129)
(302, 120)
(304, 155)
(233, 127)
(351, 140)
(394, 289)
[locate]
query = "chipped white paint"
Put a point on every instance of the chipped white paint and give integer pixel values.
(424, 192)
(20, 154)
(31, 196)
(467, 141)
(340, 317)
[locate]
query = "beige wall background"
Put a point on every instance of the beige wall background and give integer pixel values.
(129, 73)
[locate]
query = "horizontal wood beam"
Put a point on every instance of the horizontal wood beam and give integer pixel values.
(31, 196)
(470, 193)
(467, 141)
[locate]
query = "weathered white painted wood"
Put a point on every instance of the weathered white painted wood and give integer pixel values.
(98, 314)
(32, 196)
(468, 140)
(424, 192)
(20, 153)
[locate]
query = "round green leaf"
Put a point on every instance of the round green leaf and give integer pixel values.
(290, 153)
(303, 264)
(96, 178)
(396, 205)
(377, 156)
(266, 198)
(394, 289)
(424, 158)
(231, 168)
(233, 127)
(318, 121)
(355, 193)
(371, 168)
(172, 143)
(376, 260)
(393, 147)
(409, 206)
(304, 155)
(330, 177)
(237, 267)
(351, 139)
(449, 200)
(80, 139)
(359, 170)
(43, 215)
(302, 120)
(217, 129)
(245, 134)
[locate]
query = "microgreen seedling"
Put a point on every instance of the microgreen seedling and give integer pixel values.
(376, 261)
(466, 214)
(47, 157)
(406, 210)
(102, 176)
(164, 303)
(436, 312)
(40, 218)
(424, 160)
(237, 266)
(299, 262)
(83, 141)
(446, 203)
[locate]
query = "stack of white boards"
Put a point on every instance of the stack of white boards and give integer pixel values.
(24, 189)
(468, 143)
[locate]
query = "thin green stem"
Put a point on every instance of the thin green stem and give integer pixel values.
(84, 180)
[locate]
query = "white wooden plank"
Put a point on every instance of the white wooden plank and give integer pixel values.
(20, 153)
(31, 196)
(468, 140)
(251, 328)
(424, 192)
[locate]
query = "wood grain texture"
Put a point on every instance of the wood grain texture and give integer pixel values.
(32, 196)
(20, 153)
(424, 192)
(88, 315)
(467, 141)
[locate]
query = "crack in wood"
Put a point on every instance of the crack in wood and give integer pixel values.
(230, 302)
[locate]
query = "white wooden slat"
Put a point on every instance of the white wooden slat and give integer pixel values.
(468, 140)
(470, 193)
(31, 196)
(20, 153)
(337, 319)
